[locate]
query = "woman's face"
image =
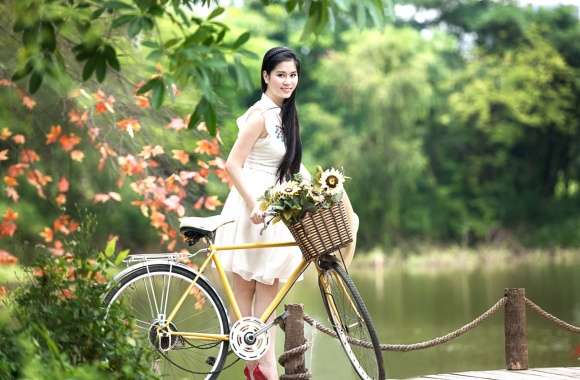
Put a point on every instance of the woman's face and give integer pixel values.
(282, 80)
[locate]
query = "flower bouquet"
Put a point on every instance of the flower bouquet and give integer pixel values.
(312, 211)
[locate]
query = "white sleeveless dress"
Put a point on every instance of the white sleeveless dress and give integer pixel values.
(267, 264)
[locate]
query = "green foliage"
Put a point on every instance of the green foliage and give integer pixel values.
(59, 327)
(382, 104)
(199, 53)
(454, 135)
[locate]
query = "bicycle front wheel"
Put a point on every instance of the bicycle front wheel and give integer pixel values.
(149, 294)
(351, 321)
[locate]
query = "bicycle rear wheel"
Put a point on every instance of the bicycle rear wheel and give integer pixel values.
(351, 321)
(150, 293)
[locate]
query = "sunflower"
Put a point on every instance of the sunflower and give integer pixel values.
(288, 189)
(315, 195)
(331, 181)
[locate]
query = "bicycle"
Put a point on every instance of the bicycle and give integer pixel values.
(181, 316)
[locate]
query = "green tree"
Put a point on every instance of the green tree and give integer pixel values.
(380, 87)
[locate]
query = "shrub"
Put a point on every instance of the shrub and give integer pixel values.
(59, 327)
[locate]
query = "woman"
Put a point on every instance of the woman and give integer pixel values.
(268, 150)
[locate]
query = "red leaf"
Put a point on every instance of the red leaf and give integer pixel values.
(101, 198)
(199, 203)
(5, 134)
(129, 125)
(69, 142)
(10, 181)
(28, 102)
(10, 215)
(19, 139)
(77, 155)
(211, 148)
(7, 228)
(63, 185)
(104, 103)
(47, 234)
(29, 156)
(180, 156)
(60, 199)
(177, 124)
(54, 134)
(142, 101)
(6, 258)
(12, 194)
(78, 119)
(211, 202)
(115, 196)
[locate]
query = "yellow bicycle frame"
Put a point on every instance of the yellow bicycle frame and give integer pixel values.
(223, 279)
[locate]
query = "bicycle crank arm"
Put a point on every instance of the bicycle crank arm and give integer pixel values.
(250, 338)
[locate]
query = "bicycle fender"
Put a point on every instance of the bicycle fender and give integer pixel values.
(138, 266)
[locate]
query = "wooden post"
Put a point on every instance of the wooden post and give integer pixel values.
(294, 337)
(516, 336)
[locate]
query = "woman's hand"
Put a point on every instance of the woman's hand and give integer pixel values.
(257, 215)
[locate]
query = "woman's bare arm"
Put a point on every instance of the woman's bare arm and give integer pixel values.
(247, 137)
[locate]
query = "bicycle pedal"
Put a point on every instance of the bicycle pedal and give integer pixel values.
(210, 360)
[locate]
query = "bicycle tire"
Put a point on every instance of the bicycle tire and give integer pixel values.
(351, 319)
(205, 295)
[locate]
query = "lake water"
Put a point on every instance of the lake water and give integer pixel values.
(410, 306)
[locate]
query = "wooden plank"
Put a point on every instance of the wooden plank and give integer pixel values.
(555, 373)
(499, 375)
(551, 374)
(452, 376)
(573, 373)
(446, 376)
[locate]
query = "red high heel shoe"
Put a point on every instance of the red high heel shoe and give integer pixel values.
(258, 374)
(247, 373)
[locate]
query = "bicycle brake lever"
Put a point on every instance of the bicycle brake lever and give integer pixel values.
(266, 224)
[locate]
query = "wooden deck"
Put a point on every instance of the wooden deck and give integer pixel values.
(529, 374)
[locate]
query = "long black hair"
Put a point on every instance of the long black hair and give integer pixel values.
(290, 126)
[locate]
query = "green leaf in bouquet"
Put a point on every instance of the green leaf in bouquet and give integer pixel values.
(287, 214)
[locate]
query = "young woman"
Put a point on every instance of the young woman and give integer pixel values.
(268, 150)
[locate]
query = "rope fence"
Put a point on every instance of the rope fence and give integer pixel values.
(513, 303)
(420, 345)
(544, 314)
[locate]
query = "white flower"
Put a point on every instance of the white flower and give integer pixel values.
(315, 195)
(287, 189)
(332, 181)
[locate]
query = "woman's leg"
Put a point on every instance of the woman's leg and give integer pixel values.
(264, 295)
(244, 291)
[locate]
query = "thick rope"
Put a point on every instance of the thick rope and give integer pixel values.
(288, 355)
(544, 314)
(416, 346)
(420, 345)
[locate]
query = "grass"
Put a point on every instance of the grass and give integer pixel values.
(11, 274)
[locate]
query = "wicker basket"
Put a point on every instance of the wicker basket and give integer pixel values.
(322, 232)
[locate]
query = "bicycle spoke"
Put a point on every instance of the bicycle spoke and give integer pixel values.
(151, 302)
(202, 312)
(166, 294)
(349, 318)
